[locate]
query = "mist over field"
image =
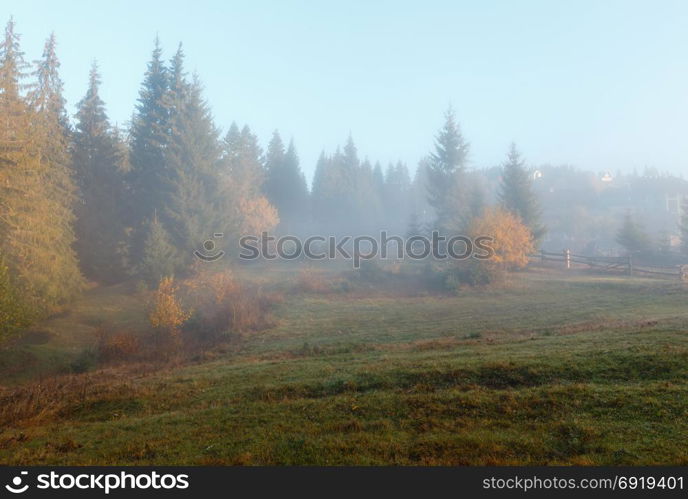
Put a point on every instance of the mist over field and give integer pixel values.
(412, 235)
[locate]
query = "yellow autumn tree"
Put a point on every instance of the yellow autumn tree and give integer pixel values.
(167, 314)
(256, 215)
(512, 241)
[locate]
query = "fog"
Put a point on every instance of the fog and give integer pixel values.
(281, 233)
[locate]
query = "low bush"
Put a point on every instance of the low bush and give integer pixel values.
(166, 316)
(222, 306)
(118, 347)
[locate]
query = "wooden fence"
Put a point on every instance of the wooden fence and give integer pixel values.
(612, 264)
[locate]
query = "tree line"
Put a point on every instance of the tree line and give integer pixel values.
(84, 200)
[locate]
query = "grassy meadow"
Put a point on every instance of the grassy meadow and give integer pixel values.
(553, 368)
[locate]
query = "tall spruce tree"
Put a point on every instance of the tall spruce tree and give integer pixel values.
(36, 189)
(379, 179)
(632, 236)
(14, 312)
(150, 137)
(160, 257)
(191, 161)
(19, 173)
(241, 199)
(98, 160)
(285, 185)
(174, 160)
(516, 192)
(60, 267)
(336, 192)
(274, 165)
(15, 155)
(368, 202)
(446, 170)
(242, 160)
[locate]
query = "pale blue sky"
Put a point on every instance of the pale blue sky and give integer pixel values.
(600, 85)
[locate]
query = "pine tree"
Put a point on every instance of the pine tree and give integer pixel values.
(274, 172)
(632, 236)
(291, 200)
(150, 137)
(396, 195)
(244, 207)
(14, 314)
(516, 193)
(191, 161)
(419, 195)
(52, 134)
(414, 227)
(18, 169)
(320, 190)
(243, 157)
(338, 190)
(37, 192)
(368, 202)
(160, 257)
(274, 159)
(174, 158)
(378, 179)
(447, 165)
(98, 161)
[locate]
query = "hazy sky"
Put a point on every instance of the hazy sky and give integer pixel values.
(600, 85)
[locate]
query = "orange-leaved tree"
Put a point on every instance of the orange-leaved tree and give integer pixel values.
(512, 241)
(167, 314)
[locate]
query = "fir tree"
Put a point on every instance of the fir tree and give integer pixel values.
(98, 158)
(274, 160)
(396, 195)
(14, 314)
(36, 189)
(447, 165)
(191, 160)
(368, 207)
(414, 227)
(150, 136)
(378, 179)
(242, 159)
(274, 173)
(52, 134)
(292, 203)
(160, 257)
(516, 193)
(632, 236)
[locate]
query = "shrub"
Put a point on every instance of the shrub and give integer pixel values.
(85, 361)
(118, 347)
(223, 305)
(167, 315)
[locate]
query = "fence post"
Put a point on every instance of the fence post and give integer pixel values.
(542, 256)
(567, 258)
(630, 265)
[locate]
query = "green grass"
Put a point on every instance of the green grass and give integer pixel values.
(554, 369)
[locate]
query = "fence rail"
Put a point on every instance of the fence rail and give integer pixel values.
(618, 264)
